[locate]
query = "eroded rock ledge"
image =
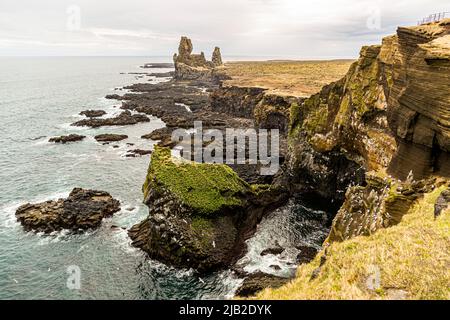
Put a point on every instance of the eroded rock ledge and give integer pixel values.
(83, 209)
(199, 214)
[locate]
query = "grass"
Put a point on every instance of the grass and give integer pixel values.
(206, 188)
(289, 78)
(411, 258)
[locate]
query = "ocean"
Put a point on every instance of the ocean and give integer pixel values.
(40, 98)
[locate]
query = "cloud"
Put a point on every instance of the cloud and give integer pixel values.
(273, 28)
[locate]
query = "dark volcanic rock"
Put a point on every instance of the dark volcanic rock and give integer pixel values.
(68, 138)
(83, 209)
(274, 250)
(138, 152)
(93, 113)
(382, 203)
(199, 215)
(442, 203)
(125, 118)
(306, 254)
(162, 74)
(259, 281)
(109, 137)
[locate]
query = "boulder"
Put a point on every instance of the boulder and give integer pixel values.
(138, 152)
(93, 113)
(66, 139)
(125, 118)
(442, 202)
(109, 137)
(276, 250)
(83, 209)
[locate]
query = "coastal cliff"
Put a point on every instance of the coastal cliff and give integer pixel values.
(389, 118)
(369, 147)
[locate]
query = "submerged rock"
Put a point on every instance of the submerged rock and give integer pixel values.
(93, 113)
(274, 250)
(138, 152)
(83, 209)
(199, 214)
(68, 138)
(110, 137)
(125, 118)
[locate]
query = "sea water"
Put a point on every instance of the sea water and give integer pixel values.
(40, 98)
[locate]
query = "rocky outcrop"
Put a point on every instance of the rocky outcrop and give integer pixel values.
(83, 209)
(189, 66)
(388, 113)
(138, 152)
(93, 113)
(123, 119)
(66, 139)
(419, 103)
(199, 214)
(110, 137)
(380, 204)
(442, 202)
(217, 57)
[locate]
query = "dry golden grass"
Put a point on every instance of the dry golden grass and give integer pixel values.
(413, 259)
(292, 78)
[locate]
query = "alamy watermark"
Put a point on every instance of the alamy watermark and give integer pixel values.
(373, 281)
(73, 281)
(238, 146)
(73, 22)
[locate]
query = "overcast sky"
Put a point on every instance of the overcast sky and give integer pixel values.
(271, 28)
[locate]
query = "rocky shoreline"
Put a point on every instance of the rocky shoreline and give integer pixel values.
(366, 147)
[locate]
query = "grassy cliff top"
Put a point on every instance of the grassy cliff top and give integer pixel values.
(412, 259)
(206, 188)
(290, 78)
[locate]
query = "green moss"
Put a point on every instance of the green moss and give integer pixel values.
(316, 121)
(206, 188)
(200, 224)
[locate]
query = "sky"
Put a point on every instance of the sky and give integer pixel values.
(247, 28)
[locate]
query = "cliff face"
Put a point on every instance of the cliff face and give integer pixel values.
(389, 113)
(419, 103)
(341, 132)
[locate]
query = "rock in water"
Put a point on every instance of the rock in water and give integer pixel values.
(68, 138)
(93, 113)
(125, 118)
(110, 137)
(199, 214)
(83, 209)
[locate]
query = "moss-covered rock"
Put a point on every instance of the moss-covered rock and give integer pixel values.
(199, 214)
